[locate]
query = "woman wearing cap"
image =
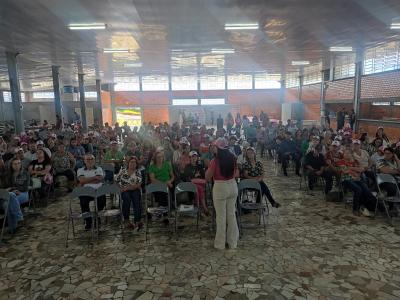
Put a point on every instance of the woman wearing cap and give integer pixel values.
(223, 171)
(194, 172)
(253, 169)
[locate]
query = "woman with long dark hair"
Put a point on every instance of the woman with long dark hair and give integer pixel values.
(223, 170)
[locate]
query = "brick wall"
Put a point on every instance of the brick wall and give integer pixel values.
(378, 86)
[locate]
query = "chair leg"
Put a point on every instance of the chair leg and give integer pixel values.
(66, 238)
(264, 222)
(387, 213)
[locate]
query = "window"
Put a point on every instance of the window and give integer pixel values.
(90, 94)
(240, 82)
(185, 102)
(125, 84)
(380, 103)
(382, 58)
(155, 83)
(212, 82)
(212, 101)
(344, 66)
(43, 95)
(292, 80)
(312, 74)
(267, 81)
(7, 97)
(396, 103)
(184, 83)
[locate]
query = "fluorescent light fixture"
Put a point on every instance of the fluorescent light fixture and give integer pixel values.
(341, 49)
(300, 63)
(87, 26)
(133, 65)
(241, 26)
(222, 51)
(395, 25)
(112, 50)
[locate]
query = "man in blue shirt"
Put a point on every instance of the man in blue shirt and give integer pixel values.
(288, 150)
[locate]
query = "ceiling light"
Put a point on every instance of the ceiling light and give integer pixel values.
(341, 49)
(240, 26)
(133, 65)
(112, 50)
(395, 25)
(300, 62)
(222, 51)
(87, 26)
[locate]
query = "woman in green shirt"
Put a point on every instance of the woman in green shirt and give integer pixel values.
(161, 171)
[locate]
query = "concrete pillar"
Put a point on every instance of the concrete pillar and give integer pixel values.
(15, 91)
(357, 85)
(112, 98)
(57, 94)
(2, 106)
(300, 91)
(82, 102)
(99, 108)
(324, 86)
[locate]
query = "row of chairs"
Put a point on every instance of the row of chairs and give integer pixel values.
(380, 196)
(184, 206)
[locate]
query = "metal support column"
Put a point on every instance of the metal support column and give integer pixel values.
(99, 108)
(15, 91)
(2, 106)
(112, 98)
(82, 102)
(57, 95)
(324, 86)
(357, 86)
(301, 80)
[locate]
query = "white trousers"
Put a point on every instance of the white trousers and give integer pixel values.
(224, 198)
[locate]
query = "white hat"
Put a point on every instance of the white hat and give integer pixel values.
(336, 143)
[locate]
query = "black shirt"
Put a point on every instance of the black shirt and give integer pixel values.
(315, 162)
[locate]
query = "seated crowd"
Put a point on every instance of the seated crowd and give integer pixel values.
(175, 153)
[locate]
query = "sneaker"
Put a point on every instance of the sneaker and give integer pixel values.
(365, 212)
(276, 205)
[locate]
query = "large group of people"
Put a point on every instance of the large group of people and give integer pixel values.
(192, 153)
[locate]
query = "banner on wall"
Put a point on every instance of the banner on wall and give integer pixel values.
(131, 115)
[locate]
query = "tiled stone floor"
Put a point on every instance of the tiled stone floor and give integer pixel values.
(312, 250)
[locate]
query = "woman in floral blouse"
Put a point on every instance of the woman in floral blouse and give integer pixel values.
(130, 179)
(253, 169)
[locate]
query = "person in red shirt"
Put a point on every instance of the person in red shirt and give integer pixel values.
(350, 170)
(223, 170)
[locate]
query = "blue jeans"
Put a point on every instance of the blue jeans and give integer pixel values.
(361, 194)
(23, 197)
(134, 197)
(14, 212)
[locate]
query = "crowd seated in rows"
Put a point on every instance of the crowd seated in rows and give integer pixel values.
(176, 153)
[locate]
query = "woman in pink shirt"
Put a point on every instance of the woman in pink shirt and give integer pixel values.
(223, 170)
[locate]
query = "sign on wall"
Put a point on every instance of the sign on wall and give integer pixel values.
(131, 115)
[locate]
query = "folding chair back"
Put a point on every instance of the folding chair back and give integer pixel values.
(152, 188)
(188, 207)
(250, 184)
(5, 196)
(386, 178)
(80, 191)
(108, 167)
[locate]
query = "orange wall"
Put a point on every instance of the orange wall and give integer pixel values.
(155, 105)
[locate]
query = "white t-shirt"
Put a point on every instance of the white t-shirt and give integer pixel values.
(362, 159)
(97, 171)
